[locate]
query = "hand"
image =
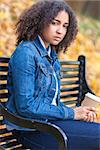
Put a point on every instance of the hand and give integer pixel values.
(85, 113)
(91, 117)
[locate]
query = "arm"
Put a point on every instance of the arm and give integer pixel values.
(24, 89)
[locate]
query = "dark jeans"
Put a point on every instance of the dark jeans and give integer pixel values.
(81, 136)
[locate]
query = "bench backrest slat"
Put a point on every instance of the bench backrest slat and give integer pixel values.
(3, 86)
(3, 77)
(3, 95)
(4, 68)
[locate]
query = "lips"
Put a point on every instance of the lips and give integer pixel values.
(57, 38)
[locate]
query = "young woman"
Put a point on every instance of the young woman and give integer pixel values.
(34, 78)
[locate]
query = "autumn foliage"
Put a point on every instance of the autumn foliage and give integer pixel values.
(87, 42)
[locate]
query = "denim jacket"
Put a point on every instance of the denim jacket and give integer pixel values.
(31, 84)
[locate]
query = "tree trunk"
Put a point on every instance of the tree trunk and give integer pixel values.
(91, 8)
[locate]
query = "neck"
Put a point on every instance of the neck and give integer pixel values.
(44, 41)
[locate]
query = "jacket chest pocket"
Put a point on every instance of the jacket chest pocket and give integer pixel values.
(47, 70)
(44, 76)
(43, 69)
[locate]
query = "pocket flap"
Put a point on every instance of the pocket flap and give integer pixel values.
(43, 69)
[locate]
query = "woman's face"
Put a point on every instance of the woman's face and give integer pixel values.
(56, 30)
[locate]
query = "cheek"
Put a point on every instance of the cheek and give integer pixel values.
(51, 29)
(65, 32)
(45, 35)
(48, 32)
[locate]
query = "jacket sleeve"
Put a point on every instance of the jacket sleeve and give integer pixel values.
(23, 74)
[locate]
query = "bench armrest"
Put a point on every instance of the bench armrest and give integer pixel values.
(39, 125)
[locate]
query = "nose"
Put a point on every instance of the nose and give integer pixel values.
(59, 30)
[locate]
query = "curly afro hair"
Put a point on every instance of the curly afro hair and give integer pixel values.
(33, 20)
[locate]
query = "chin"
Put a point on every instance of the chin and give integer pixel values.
(55, 43)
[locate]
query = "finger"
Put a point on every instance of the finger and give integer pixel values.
(85, 118)
(91, 109)
(94, 117)
(90, 117)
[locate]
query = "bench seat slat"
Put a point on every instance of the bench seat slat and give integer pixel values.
(9, 141)
(6, 138)
(2, 131)
(16, 147)
(11, 144)
(5, 135)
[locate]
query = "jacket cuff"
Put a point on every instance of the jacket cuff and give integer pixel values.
(69, 112)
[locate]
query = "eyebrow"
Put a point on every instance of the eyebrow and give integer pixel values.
(59, 21)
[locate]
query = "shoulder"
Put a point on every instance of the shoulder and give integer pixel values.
(25, 49)
(23, 56)
(25, 53)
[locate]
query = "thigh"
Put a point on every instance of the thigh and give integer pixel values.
(36, 140)
(81, 135)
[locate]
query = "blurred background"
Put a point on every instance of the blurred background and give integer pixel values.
(87, 42)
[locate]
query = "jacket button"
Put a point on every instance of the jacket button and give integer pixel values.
(53, 89)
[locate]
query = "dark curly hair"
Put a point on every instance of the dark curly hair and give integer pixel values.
(33, 20)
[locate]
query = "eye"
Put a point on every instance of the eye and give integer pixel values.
(65, 26)
(54, 22)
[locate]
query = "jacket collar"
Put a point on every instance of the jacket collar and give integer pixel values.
(43, 52)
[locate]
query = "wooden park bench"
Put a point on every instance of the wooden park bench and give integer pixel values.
(73, 89)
